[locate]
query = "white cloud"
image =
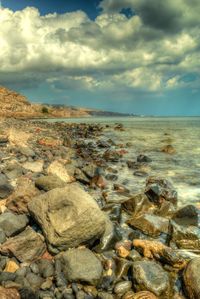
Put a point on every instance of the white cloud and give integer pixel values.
(111, 52)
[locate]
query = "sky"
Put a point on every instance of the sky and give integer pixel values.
(131, 56)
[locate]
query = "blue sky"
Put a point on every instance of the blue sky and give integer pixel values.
(132, 56)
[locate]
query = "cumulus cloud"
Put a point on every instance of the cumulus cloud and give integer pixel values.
(147, 51)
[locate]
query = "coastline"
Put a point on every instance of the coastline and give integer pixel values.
(133, 234)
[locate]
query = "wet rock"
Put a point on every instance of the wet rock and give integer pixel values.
(104, 295)
(26, 246)
(112, 156)
(188, 215)
(159, 189)
(9, 293)
(122, 287)
(36, 166)
(151, 225)
(49, 182)
(134, 256)
(168, 149)
(56, 168)
(137, 204)
(68, 216)
(13, 224)
(110, 236)
(122, 267)
(149, 276)
(185, 237)
(143, 295)
(143, 159)
(123, 248)
(81, 265)
(5, 188)
(24, 192)
(192, 279)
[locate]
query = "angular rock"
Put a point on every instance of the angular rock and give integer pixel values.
(192, 279)
(24, 192)
(81, 265)
(68, 217)
(185, 237)
(49, 182)
(159, 189)
(149, 276)
(13, 170)
(26, 246)
(143, 159)
(151, 225)
(188, 215)
(5, 188)
(137, 205)
(10, 293)
(26, 151)
(58, 169)
(36, 166)
(12, 224)
(2, 236)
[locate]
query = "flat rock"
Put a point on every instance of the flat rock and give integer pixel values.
(49, 182)
(192, 279)
(150, 276)
(188, 215)
(81, 265)
(26, 246)
(36, 166)
(24, 192)
(68, 217)
(151, 225)
(10, 293)
(12, 224)
(58, 169)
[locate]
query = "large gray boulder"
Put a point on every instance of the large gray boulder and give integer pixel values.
(81, 265)
(68, 217)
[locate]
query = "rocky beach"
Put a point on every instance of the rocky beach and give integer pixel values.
(70, 229)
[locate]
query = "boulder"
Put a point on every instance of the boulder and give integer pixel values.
(151, 225)
(49, 182)
(81, 265)
(68, 217)
(150, 276)
(13, 224)
(159, 190)
(191, 278)
(26, 246)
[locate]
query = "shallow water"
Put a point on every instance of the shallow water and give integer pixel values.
(148, 136)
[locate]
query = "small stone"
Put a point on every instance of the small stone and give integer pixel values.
(36, 166)
(58, 169)
(2, 236)
(10, 293)
(47, 284)
(122, 287)
(168, 149)
(11, 267)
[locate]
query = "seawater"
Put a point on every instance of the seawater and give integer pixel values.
(147, 136)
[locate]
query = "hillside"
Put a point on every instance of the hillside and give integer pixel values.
(13, 104)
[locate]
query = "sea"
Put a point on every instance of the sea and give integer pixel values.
(147, 136)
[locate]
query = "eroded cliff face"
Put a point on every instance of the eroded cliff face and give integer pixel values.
(13, 104)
